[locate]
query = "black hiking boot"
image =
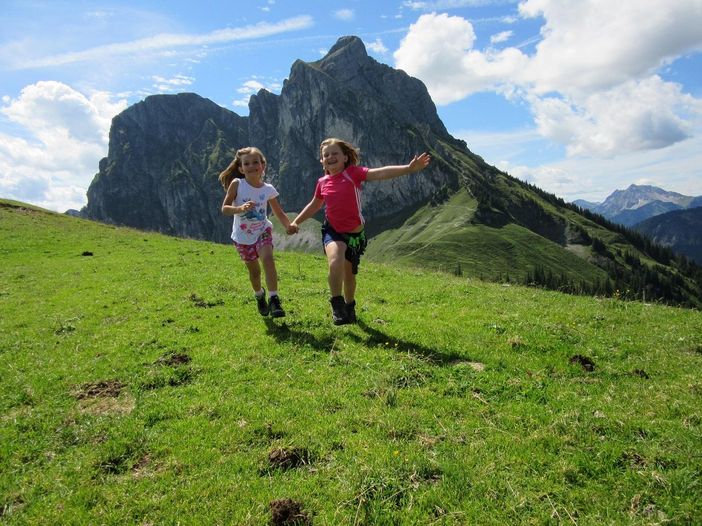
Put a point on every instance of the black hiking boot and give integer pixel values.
(351, 311)
(262, 305)
(339, 310)
(275, 307)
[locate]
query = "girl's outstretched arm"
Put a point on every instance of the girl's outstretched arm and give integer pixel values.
(419, 162)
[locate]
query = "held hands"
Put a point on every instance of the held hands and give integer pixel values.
(292, 228)
(419, 162)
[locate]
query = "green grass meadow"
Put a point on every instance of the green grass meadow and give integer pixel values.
(444, 238)
(139, 385)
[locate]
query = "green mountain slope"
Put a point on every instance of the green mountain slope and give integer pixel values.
(499, 227)
(679, 230)
(447, 237)
(138, 385)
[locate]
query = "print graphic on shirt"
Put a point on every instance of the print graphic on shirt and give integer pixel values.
(258, 214)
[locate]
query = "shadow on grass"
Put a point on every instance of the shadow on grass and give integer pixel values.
(376, 338)
(283, 333)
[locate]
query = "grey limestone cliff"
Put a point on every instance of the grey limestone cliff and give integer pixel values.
(164, 157)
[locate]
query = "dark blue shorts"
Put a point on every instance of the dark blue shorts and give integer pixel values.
(355, 243)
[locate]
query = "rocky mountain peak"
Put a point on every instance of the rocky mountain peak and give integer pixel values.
(406, 98)
(348, 53)
(636, 196)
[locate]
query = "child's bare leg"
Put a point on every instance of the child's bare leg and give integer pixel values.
(254, 274)
(349, 282)
(266, 256)
(336, 258)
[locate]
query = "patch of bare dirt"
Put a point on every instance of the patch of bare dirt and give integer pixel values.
(99, 389)
(104, 397)
(584, 362)
(288, 458)
(174, 359)
(288, 512)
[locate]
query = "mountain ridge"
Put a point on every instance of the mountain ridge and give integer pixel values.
(637, 203)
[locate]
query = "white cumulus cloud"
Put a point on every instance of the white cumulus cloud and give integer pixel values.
(66, 134)
(439, 50)
(595, 44)
(636, 115)
(591, 81)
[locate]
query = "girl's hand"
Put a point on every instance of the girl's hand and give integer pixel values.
(292, 229)
(419, 162)
(248, 205)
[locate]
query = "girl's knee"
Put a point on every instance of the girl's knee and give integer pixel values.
(267, 260)
(254, 268)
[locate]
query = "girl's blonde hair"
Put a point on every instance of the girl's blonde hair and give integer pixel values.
(233, 171)
(346, 147)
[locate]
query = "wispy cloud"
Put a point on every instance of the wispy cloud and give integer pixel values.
(377, 46)
(167, 41)
(444, 4)
(503, 36)
(252, 86)
(344, 14)
(175, 83)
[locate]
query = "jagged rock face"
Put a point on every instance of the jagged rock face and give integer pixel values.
(164, 157)
(385, 113)
(166, 152)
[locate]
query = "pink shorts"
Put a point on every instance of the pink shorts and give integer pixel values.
(250, 252)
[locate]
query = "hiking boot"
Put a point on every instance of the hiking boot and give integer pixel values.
(339, 310)
(351, 311)
(275, 307)
(262, 305)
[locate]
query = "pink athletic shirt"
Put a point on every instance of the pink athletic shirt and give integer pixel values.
(341, 194)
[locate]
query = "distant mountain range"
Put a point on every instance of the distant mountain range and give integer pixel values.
(639, 202)
(668, 218)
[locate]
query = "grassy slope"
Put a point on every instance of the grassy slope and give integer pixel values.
(442, 237)
(453, 401)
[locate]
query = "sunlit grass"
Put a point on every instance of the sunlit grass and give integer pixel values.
(139, 385)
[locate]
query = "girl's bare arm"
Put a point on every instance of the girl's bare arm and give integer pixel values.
(419, 162)
(228, 209)
(279, 212)
(310, 209)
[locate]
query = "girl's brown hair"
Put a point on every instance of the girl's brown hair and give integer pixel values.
(233, 171)
(346, 147)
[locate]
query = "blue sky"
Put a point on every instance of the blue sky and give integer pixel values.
(579, 97)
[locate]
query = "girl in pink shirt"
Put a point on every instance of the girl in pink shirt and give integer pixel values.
(342, 233)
